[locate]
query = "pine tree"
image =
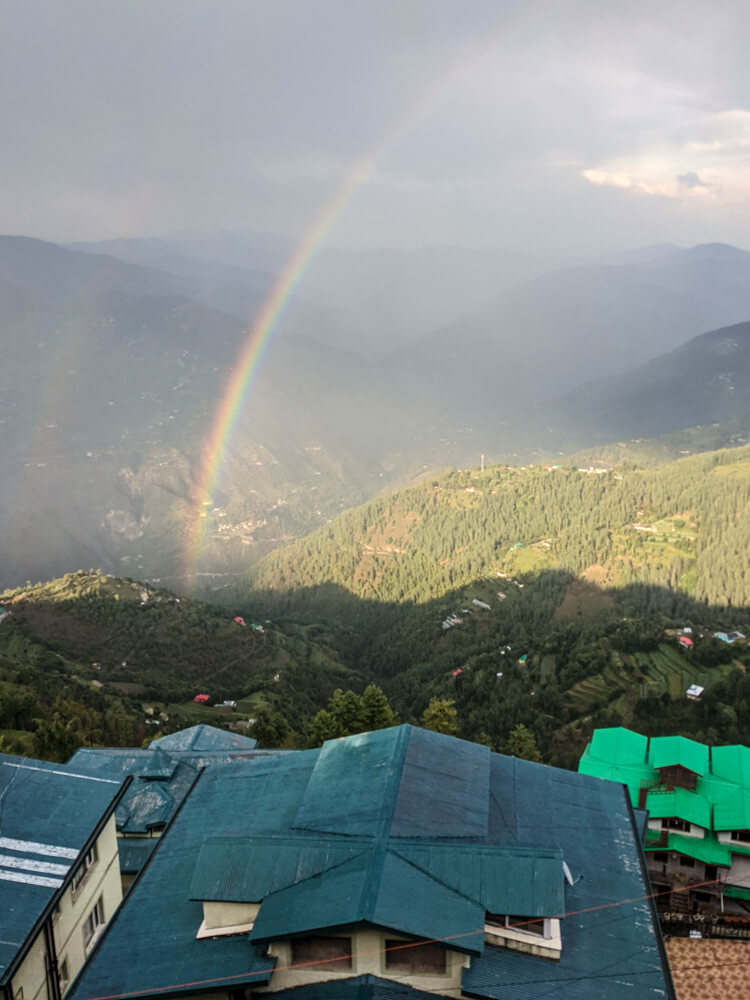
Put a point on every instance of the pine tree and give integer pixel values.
(376, 712)
(440, 716)
(521, 743)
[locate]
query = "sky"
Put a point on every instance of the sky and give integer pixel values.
(566, 126)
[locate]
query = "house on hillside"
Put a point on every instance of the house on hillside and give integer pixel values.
(395, 865)
(686, 642)
(59, 873)
(164, 774)
(698, 802)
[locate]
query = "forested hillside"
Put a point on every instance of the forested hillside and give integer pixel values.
(549, 596)
(685, 525)
(92, 659)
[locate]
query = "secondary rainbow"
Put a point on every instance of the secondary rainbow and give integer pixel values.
(265, 323)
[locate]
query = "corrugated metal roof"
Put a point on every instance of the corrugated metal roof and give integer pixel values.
(503, 880)
(378, 888)
(353, 787)
(134, 853)
(49, 811)
(590, 821)
(454, 776)
(357, 988)
(635, 776)
(350, 792)
(202, 738)
(237, 869)
(667, 751)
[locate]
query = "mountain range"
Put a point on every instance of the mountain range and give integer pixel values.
(113, 369)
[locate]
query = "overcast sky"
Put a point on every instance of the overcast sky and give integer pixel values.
(550, 127)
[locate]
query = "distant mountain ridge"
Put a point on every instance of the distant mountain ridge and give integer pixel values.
(704, 381)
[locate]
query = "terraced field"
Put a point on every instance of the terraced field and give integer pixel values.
(627, 677)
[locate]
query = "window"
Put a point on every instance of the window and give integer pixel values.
(660, 856)
(741, 835)
(85, 867)
(417, 959)
(686, 862)
(328, 952)
(526, 925)
(711, 873)
(92, 923)
(675, 824)
(64, 975)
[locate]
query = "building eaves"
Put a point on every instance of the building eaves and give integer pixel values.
(83, 813)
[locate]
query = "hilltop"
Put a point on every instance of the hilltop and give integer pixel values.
(116, 660)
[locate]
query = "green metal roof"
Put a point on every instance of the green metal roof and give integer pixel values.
(736, 892)
(682, 804)
(618, 745)
(733, 812)
(732, 763)
(635, 776)
(668, 751)
(706, 849)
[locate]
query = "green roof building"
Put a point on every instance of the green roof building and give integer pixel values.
(395, 865)
(698, 802)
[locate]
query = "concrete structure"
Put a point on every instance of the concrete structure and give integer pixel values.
(59, 873)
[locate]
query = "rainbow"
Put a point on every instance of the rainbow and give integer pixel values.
(261, 330)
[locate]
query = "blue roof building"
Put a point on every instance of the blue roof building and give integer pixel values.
(387, 866)
(164, 773)
(59, 874)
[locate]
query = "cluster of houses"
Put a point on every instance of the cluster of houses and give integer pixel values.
(395, 865)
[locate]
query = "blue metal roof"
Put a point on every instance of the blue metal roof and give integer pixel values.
(592, 823)
(357, 988)
(164, 771)
(48, 812)
(134, 853)
(382, 828)
(202, 738)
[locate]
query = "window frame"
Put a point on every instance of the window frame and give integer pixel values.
(325, 964)
(87, 865)
(95, 920)
(399, 947)
(521, 925)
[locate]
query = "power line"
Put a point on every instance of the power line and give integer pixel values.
(450, 937)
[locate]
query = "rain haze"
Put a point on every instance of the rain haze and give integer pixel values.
(262, 262)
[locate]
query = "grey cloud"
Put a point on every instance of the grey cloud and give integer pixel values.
(126, 118)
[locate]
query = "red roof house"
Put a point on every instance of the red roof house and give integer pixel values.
(201, 699)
